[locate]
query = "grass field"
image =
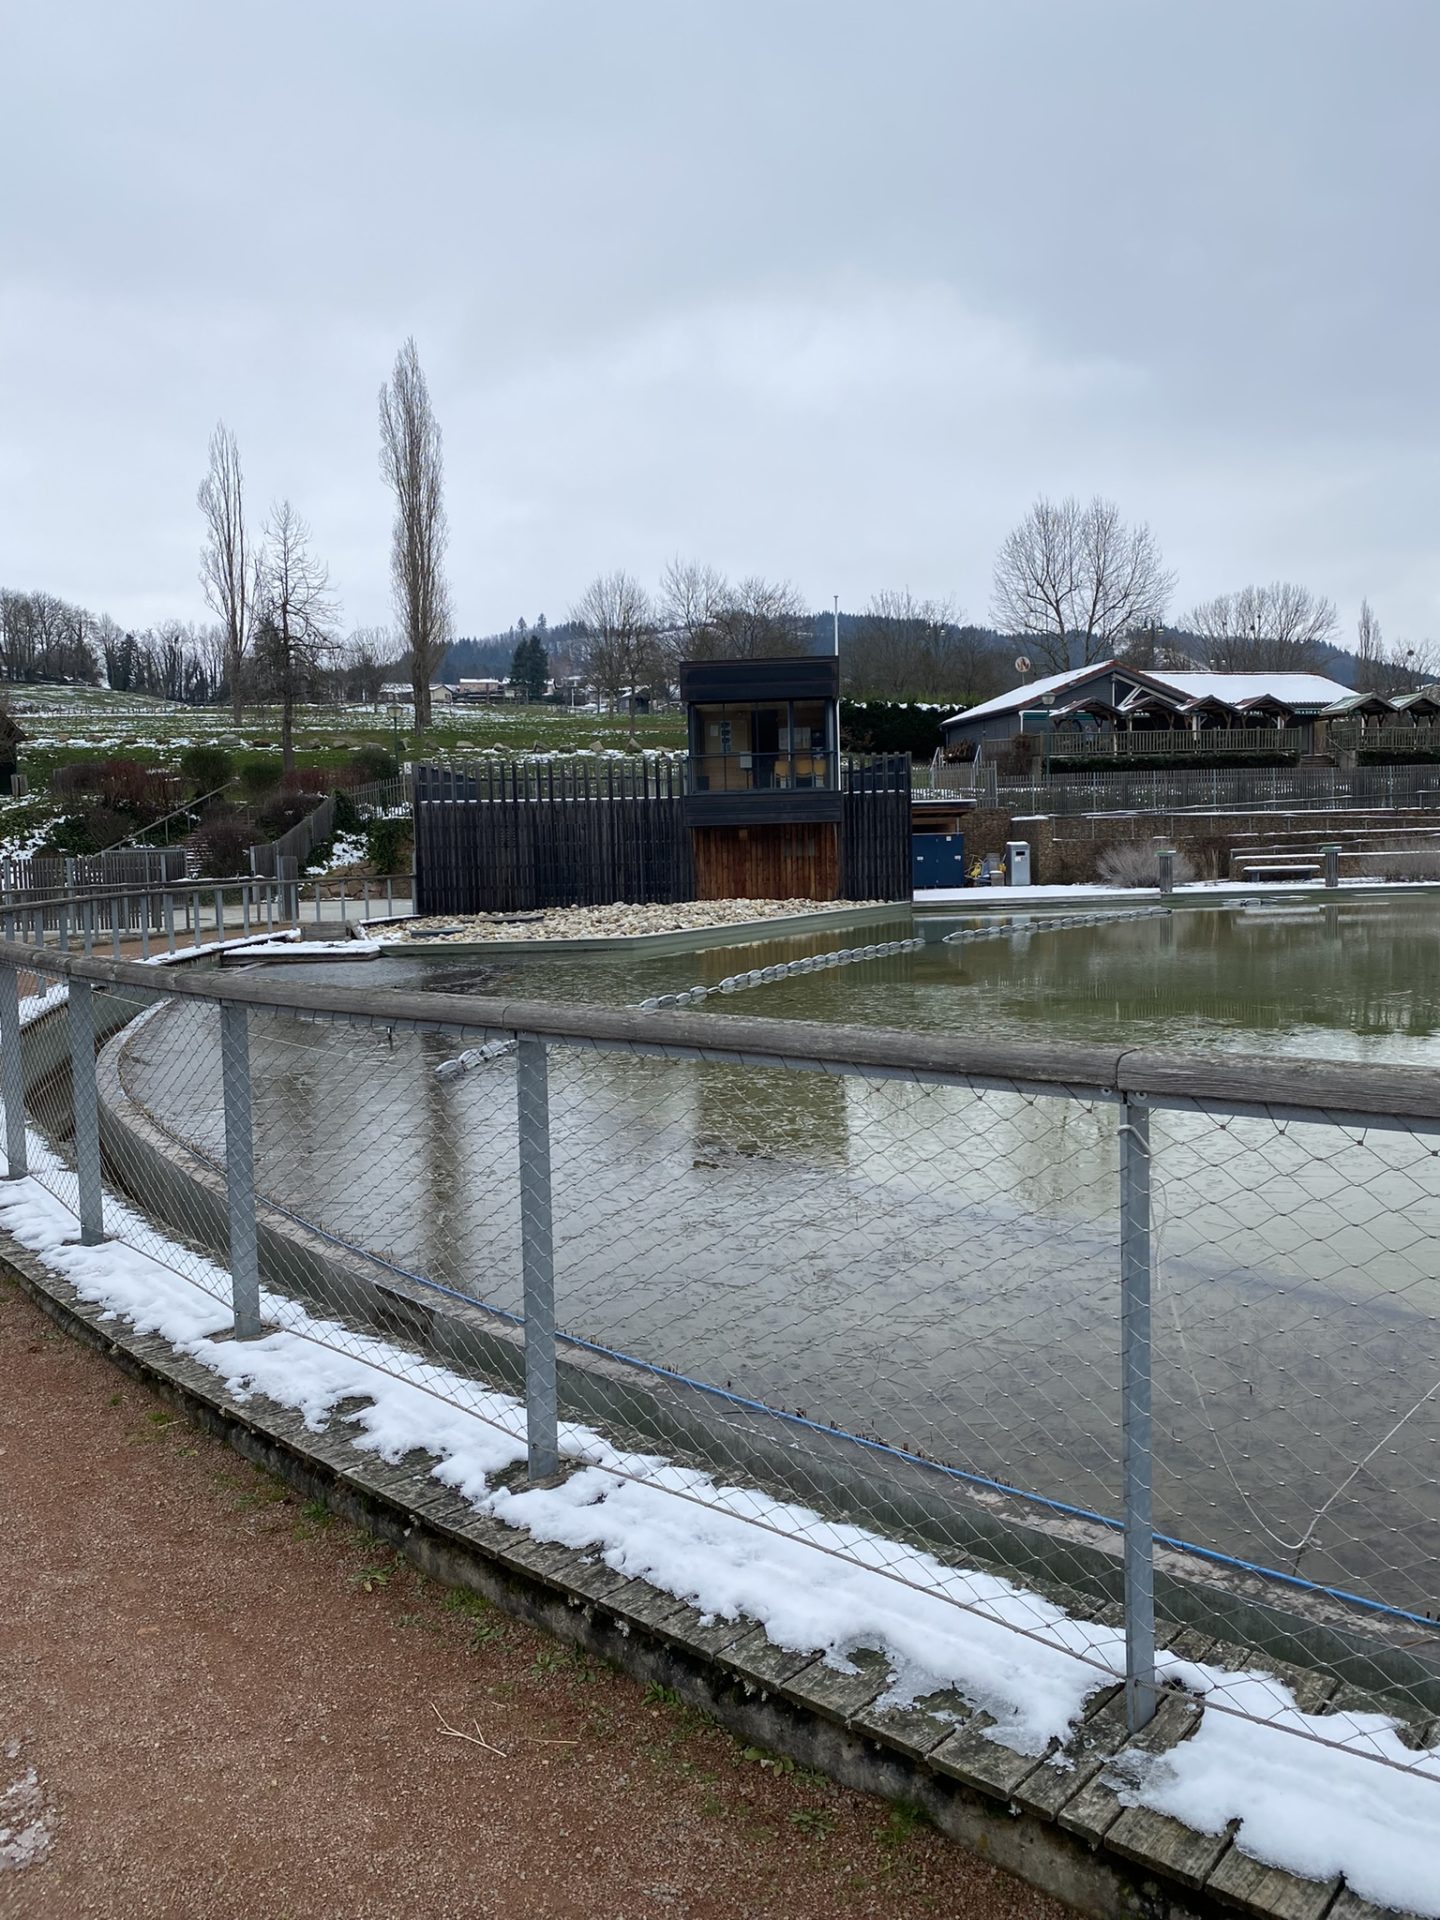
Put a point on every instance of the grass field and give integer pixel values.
(64, 724)
(72, 723)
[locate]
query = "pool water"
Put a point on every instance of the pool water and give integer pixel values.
(932, 1266)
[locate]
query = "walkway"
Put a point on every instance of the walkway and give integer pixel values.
(233, 1707)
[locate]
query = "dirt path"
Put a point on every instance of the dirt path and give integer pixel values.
(229, 1705)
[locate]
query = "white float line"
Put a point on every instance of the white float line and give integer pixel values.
(694, 996)
(1008, 931)
(782, 970)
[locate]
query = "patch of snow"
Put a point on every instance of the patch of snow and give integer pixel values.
(27, 1824)
(1309, 1808)
(347, 850)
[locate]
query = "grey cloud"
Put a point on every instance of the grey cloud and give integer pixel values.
(828, 290)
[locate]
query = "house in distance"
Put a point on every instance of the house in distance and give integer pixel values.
(1112, 708)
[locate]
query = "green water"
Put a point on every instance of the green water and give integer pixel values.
(1356, 980)
(928, 1265)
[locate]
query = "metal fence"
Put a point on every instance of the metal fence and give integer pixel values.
(1148, 1343)
(1199, 790)
(168, 916)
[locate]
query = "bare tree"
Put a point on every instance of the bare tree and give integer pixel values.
(1073, 579)
(1371, 667)
(764, 619)
(621, 648)
(693, 599)
(412, 466)
(226, 562)
(366, 652)
(294, 635)
(1274, 629)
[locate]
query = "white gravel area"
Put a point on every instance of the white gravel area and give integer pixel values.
(607, 923)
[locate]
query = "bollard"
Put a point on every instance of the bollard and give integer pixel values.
(86, 1108)
(1135, 1375)
(240, 1170)
(1165, 856)
(1331, 857)
(537, 1257)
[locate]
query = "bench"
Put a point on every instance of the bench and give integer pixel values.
(1281, 870)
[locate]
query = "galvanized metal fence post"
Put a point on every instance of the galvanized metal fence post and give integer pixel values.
(537, 1257)
(1135, 1377)
(87, 1112)
(240, 1170)
(169, 904)
(12, 1073)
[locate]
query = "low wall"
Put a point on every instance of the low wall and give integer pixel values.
(1066, 849)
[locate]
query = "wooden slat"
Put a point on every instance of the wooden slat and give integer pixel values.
(1270, 1892)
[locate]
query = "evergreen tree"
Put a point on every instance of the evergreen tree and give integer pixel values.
(530, 666)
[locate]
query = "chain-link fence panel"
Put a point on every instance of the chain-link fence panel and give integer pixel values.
(958, 1329)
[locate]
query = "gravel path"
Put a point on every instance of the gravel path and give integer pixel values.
(218, 1704)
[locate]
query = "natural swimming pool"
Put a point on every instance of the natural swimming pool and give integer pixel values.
(929, 1265)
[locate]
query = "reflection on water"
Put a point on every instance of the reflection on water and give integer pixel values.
(928, 1265)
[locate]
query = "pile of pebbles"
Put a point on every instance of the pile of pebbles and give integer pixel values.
(612, 922)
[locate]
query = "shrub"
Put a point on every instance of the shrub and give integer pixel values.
(207, 767)
(70, 835)
(347, 814)
(388, 845)
(74, 776)
(259, 775)
(1136, 863)
(282, 813)
(1392, 757)
(127, 785)
(1408, 863)
(1165, 762)
(879, 726)
(372, 762)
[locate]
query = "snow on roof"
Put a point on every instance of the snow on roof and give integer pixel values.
(1294, 689)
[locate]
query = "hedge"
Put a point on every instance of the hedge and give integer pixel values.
(891, 726)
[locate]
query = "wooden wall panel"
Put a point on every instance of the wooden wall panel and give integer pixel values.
(799, 862)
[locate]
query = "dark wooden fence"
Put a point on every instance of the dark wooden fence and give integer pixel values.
(515, 836)
(507, 836)
(875, 828)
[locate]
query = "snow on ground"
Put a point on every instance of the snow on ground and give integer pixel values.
(1012, 898)
(347, 850)
(814, 1585)
(27, 1821)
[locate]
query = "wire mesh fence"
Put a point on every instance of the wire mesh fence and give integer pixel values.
(1153, 1379)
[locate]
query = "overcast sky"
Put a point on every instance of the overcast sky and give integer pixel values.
(799, 287)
